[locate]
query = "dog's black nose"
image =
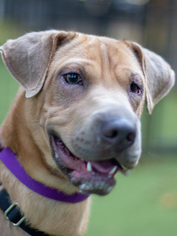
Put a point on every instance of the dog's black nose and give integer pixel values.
(120, 133)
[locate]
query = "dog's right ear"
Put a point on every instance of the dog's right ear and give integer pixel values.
(28, 57)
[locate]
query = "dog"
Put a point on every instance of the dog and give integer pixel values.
(75, 121)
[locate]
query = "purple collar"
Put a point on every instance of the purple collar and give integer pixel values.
(11, 162)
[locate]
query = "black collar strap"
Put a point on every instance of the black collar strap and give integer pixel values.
(12, 213)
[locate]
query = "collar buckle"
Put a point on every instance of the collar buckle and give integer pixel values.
(12, 212)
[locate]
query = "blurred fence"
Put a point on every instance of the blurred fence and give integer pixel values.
(150, 23)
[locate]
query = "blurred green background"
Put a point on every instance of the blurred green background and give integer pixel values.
(145, 202)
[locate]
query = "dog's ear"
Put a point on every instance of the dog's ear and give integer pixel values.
(28, 57)
(159, 76)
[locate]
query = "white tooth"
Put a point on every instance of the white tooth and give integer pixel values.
(56, 155)
(113, 170)
(89, 167)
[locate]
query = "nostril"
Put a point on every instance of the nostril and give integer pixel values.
(120, 133)
(111, 133)
(131, 137)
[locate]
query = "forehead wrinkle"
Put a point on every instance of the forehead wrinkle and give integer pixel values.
(72, 48)
(105, 60)
(110, 58)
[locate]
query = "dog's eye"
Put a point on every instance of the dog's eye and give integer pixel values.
(73, 78)
(134, 88)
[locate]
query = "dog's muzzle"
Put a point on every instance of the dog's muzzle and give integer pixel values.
(100, 149)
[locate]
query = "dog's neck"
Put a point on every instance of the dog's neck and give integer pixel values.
(11, 162)
(52, 217)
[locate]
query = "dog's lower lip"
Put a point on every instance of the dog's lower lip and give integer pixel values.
(80, 171)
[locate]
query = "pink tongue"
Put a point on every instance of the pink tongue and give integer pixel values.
(73, 162)
(102, 166)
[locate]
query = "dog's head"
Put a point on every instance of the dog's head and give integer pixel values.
(91, 92)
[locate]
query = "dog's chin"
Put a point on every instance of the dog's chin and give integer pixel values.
(89, 176)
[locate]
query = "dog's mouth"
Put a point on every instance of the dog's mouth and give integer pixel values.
(89, 176)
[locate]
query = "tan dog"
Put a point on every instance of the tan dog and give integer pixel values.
(75, 120)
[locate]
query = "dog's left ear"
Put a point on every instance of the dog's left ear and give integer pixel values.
(159, 76)
(28, 57)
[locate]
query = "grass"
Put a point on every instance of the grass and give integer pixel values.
(142, 204)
